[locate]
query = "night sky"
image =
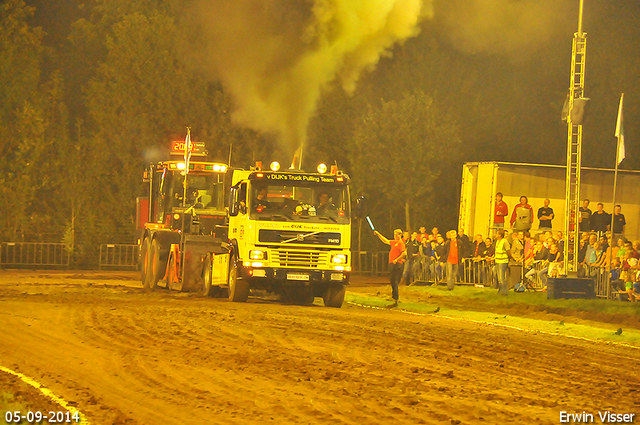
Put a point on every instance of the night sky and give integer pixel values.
(524, 84)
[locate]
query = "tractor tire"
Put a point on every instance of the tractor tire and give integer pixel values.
(157, 267)
(207, 278)
(334, 297)
(238, 288)
(172, 284)
(143, 260)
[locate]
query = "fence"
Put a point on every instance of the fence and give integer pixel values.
(373, 263)
(118, 256)
(427, 270)
(602, 278)
(34, 254)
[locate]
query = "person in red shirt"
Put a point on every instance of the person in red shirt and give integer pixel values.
(454, 252)
(397, 255)
(501, 211)
(523, 223)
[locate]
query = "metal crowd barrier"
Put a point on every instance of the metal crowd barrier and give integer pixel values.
(374, 263)
(34, 254)
(481, 272)
(536, 280)
(602, 277)
(478, 272)
(364, 263)
(118, 256)
(426, 270)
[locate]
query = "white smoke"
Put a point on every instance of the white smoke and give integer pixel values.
(511, 27)
(275, 56)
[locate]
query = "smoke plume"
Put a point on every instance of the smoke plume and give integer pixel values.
(511, 27)
(275, 56)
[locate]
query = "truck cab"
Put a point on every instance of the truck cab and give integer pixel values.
(290, 232)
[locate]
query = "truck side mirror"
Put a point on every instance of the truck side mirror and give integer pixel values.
(233, 204)
(360, 211)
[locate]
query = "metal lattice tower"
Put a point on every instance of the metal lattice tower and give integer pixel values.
(574, 153)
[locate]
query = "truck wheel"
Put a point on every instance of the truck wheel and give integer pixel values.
(238, 288)
(298, 295)
(156, 270)
(206, 290)
(305, 295)
(143, 260)
(171, 282)
(334, 297)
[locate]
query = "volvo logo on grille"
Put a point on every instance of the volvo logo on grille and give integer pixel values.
(300, 238)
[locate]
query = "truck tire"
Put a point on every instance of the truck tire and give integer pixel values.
(143, 259)
(297, 295)
(305, 295)
(157, 267)
(207, 278)
(334, 297)
(171, 282)
(238, 288)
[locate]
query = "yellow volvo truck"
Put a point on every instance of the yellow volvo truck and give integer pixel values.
(289, 233)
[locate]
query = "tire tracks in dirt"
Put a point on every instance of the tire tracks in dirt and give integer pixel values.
(138, 358)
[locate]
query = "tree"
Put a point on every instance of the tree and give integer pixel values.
(400, 150)
(22, 120)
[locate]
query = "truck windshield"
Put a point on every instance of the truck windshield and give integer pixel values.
(310, 203)
(203, 191)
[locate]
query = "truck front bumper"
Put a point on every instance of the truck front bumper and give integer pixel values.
(294, 276)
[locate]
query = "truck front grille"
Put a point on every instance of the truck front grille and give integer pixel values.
(299, 259)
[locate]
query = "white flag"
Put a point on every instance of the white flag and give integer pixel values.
(187, 150)
(620, 132)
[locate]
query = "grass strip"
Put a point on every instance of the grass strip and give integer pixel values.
(612, 334)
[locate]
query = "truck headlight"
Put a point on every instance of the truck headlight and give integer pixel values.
(258, 255)
(339, 259)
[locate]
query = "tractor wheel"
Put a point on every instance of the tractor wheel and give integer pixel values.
(207, 290)
(156, 270)
(143, 260)
(238, 288)
(172, 284)
(334, 297)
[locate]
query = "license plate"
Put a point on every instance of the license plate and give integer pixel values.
(336, 276)
(297, 276)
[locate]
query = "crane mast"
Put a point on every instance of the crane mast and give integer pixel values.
(574, 153)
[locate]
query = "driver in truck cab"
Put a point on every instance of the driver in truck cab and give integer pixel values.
(325, 204)
(261, 199)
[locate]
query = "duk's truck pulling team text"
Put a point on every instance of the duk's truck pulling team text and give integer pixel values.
(222, 232)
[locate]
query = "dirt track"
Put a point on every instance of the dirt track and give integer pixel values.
(125, 356)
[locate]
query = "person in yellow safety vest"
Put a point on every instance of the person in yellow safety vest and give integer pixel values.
(502, 255)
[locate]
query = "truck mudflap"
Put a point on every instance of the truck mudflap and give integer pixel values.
(195, 249)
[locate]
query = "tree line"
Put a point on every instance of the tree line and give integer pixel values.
(82, 114)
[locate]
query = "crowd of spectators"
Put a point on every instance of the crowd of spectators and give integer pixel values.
(516, 258)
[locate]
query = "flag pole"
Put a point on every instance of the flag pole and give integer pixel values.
(620, 135)
(187, 157)
(615, 182)
(613, 216)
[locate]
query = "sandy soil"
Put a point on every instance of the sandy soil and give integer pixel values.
(126, 356)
